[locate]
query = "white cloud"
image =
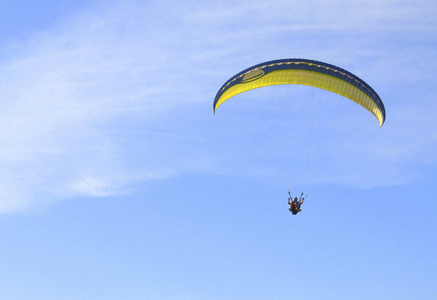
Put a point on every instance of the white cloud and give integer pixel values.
(61, 100)
(124, 95)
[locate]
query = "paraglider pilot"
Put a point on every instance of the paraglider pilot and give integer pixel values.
(295, 204)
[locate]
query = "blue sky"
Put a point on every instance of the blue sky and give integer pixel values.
(119, 182)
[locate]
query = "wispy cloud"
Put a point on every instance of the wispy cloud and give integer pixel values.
(62, 98)
(124, 95)
(89, 107)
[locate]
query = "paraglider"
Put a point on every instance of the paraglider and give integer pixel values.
(303, 72)
(295, 205)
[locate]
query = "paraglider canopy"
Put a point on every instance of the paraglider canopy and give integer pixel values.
(305, 72)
